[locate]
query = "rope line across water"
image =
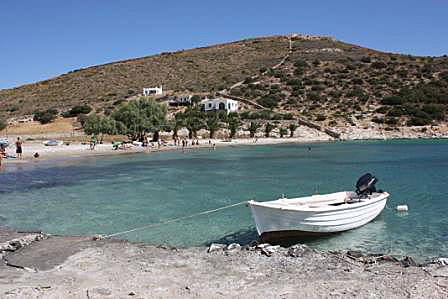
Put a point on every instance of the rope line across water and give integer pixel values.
(173, 220)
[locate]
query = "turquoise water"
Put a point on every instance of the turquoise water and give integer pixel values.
(103, 195)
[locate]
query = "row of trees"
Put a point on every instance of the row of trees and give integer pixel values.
(138, 118)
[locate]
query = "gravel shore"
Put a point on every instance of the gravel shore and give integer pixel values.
(61, 267)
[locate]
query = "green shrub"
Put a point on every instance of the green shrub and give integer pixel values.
(45, 117)
(444, 75)
(396, 111)
(365, 59)
(392, 100)
(320, 117)
(378, 65)
(313, 96)
(300, 63)
(378, 120)
(268, 101)
(382, 109)
(357, 81)
(77, 110)
(288, 116)
(294, 82)
(415, 121)
(248, 80)
(245, 115)
(264, 114)
(435, 111)
(391, 121)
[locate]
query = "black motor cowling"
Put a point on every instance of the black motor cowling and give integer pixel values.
(366, 185)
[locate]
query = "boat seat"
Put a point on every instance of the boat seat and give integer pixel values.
(326, 203)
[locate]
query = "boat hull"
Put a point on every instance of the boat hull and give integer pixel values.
(282, 222)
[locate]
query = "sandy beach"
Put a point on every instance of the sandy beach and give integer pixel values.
(76, 149)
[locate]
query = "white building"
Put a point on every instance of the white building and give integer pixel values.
(153, 91)
(219, 104)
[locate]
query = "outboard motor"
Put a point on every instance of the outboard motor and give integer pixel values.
(366, 185)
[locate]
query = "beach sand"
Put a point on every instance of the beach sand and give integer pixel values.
(78, 150)
(303, 135)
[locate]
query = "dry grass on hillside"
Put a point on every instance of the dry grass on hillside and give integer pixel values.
(198, 70)
(60, 125)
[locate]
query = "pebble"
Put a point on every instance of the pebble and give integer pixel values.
(216, 247)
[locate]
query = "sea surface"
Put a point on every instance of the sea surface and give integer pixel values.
(106, 195)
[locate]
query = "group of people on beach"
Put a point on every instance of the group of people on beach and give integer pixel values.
(19, 150)
(185, 142)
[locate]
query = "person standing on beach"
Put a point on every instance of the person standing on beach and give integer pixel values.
(19, 148)
(93, 142)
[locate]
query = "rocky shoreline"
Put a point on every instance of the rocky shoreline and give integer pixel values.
(36, 265)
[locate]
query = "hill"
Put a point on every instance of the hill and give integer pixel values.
(198, 70)
(324, 80)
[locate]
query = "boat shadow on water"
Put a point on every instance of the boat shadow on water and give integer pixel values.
(244, 236)
(248, 236)
(371, 235)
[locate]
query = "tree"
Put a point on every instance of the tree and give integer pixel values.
(283, 132)
(254, 126)
(139, 117)
(195, 100)
(292, 127)
(91, 124)
(268, 129)
(108, 126)
(3, 124)
(193, 121)
(177, 124)
(95, 124)
(234, 123)
(212, 124)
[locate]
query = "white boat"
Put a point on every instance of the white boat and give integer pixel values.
(52, 143)
(287, 218)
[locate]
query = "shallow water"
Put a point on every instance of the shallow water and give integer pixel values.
(103, 195)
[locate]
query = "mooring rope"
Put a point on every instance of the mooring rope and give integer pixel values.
(173, 220)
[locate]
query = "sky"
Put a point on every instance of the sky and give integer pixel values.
(43, 39)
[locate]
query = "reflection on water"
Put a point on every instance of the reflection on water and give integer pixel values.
(111, 194)
(367, 237)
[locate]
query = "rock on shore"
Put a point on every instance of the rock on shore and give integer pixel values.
(83, 268)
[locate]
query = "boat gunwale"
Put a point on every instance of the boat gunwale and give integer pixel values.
(323, 208)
